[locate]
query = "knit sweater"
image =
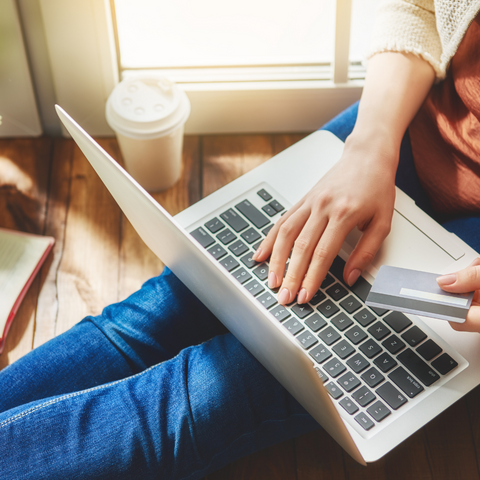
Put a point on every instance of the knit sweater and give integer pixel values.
(431, 29)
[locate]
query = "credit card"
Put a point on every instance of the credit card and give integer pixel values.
(413, 291)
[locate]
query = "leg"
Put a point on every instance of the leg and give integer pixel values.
(181, 419)
(151, 326)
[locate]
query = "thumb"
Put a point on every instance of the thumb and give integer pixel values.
(466, 280)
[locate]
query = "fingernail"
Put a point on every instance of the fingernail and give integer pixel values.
(447, 279)
(256, 254)
(353, 277)
(302, 296)
(284, 296)
(272, 280)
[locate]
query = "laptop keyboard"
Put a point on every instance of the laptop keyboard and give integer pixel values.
(373, 362)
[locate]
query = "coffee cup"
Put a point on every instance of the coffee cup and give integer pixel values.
(148, 114)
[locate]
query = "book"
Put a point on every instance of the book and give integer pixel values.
(21, 257)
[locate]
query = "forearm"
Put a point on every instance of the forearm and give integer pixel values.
(395, 88)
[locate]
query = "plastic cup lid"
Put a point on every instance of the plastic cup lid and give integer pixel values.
(147, 107)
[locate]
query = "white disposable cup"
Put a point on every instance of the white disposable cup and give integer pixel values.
(148, 115)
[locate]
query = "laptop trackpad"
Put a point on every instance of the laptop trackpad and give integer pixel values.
(408, 247)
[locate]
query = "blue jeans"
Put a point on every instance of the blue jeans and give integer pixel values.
(154, 387)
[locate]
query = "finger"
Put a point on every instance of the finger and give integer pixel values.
(285, 239)
(463, 281)
(325, 252)
(472, 323)
(303, 250)
(265, 248)
(366, 249)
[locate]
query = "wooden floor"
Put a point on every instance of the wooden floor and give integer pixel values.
(47, 187)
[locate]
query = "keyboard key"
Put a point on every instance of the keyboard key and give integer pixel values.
(379, 311)
(379, 331)
(217, 252)
(348, 382)
(214, 225)
(361, 288)
(280, 313)
(378, 411)
(356, 335)
(429, 350)
(250, 235)
(229, 263)
(328, 280)
(307, 340)
(364, 317)
(391, 395)
(418, 367)
(393, 344)
(202, 237)
(276, 206)
(294, 326)
(337, 267)
(267, 229)
(318, 297)
(261, 271)
(444, 364)
(372, 377)
(358, 363)
(264, 194)
(323, 376)
(370, 348)
(226, 236)
(270, 211)
(337, 292)
(302, 310)
(252, 213)
(348, 405)
(364, 421)
(256, 245)
(398, 321)
(247, 260)
(406, 382)
(320, 353)
(267, 300)
(334, 367)
(343, 349)
(328, 308)
(238, 248)
(363, 396)
(414, 336)
(385, 362)
(315, 322)
(329, 336)
(333, 390)
(254, 287)
(242, 275)
(234, 220)
(342, 321)
(350, 304)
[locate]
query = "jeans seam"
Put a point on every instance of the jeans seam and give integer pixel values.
(239, 438)
(26, 413)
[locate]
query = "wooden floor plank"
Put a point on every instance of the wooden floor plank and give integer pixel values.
(24, 167)
(87, 278)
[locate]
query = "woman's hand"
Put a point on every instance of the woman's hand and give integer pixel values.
(359, 191)
(465, 281)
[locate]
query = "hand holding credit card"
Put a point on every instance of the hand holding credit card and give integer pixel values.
(416, 292)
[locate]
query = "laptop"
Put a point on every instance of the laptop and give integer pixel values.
(370, 377)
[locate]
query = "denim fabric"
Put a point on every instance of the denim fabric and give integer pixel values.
(154, 387)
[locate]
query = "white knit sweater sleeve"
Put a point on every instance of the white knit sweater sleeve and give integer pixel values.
(408, 26)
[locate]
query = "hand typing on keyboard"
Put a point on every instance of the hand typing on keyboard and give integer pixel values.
(358, 191)
(465, 281)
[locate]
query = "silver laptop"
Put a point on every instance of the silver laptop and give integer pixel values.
(370, 377)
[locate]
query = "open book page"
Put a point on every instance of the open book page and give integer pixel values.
(20, 254)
